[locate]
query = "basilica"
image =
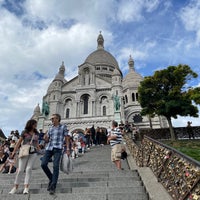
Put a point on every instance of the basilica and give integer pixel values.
(96, 96)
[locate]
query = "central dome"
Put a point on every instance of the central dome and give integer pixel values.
(100, 56)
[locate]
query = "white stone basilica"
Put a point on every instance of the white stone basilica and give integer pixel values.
(89, 98)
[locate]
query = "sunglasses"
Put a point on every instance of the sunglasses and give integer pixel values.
(54, 118)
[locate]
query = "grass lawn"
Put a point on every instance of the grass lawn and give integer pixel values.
(189, 147)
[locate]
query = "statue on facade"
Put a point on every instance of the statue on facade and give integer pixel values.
(87, 78)
(116, 102)
(45, 108)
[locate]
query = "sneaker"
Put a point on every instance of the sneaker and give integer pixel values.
(49, 186)
(26, 191)
(52, 191)
(13, 191)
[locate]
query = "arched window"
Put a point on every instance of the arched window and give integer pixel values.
(136, 96)
(68, 102)
(67, 113)
(133, 97)
(126, 98)
(85, 98)
(104, 99)
(104, 110)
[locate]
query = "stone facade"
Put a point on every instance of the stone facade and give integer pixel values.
(89, 98)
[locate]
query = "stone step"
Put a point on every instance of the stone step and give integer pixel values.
(94, 177)
(85, 189)
(76, 196)
(79, 177)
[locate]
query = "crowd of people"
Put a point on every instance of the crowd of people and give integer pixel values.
(52, 144)
(80, 143)
(7, 163)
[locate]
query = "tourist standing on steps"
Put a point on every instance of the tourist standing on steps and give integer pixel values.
(190, 130)
(26, 163)
(88, 137)
(115, 140)
(41, 136)
(55, 138)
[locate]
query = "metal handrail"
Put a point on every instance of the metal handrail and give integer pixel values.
(195, 162)
(178, 173)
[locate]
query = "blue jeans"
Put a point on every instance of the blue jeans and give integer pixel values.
(53, 177)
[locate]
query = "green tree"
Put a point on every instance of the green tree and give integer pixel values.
(166, 93)
(194, 94)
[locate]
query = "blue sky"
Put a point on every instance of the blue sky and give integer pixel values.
(36, 36)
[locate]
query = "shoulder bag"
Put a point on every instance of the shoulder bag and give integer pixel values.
(25, 149)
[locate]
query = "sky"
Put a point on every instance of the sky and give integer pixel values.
(37, 35)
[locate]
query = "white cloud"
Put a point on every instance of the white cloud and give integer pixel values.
(132, 10)
(36, 41)
(190, 16)
(71, 11)
(151, 5)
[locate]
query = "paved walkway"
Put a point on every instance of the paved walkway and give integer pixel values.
(94, 178)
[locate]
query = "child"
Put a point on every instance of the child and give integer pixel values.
(9, 165)
(75, 149)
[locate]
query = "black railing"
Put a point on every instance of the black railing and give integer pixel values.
(164, 133)
(178, 173)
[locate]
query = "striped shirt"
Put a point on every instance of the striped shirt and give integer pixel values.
(118, 140)
(56, 136)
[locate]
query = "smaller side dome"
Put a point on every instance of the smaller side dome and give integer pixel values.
(132, 79)
(36, 113)
(37, 109)
(131, 63)
(60, 75)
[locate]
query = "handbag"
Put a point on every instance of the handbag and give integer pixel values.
(26, 149)
(66, 164)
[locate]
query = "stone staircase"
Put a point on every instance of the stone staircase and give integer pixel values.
(94, 177)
